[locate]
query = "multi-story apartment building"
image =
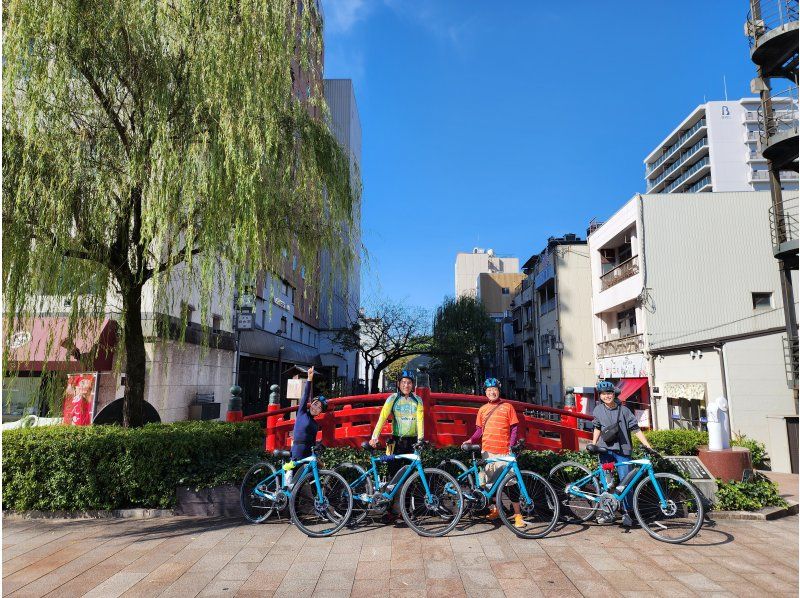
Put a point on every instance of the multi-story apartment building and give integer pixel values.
(470, 265)
(518, 345)
(687, 307)
(717, 147)
(495, 292)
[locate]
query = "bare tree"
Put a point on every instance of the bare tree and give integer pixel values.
(387, 332)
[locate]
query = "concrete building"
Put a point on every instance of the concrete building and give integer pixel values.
(687, 307)
(717, 147)
(495, 292)
(470, 265)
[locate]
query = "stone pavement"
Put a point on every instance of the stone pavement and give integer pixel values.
(183, 556)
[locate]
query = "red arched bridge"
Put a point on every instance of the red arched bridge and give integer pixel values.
(449, 420)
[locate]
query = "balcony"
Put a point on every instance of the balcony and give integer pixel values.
(684, 157)
(625, 270)
(771, 29)
(783, 222)
(687, 176)
(547, 306)
(703, 184)
(621, 346)
(790, 347)
(670, 151)
(778, 130)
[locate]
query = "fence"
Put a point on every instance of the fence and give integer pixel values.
(449, 420)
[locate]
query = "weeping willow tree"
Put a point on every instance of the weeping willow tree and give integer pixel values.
(145, 140)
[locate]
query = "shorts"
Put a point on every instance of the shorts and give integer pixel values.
(491, 470)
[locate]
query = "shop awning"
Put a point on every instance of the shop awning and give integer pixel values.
(49, 343)
(260, 343)
(630, 386)
(694, 391)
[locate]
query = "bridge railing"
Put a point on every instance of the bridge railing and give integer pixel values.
(449, 420)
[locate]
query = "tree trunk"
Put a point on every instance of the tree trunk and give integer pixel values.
(376, 376)
(135, 357)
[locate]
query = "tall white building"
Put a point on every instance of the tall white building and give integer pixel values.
(687, 307)
(480, 261)
(715, 148)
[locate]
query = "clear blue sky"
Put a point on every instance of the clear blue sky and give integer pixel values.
(499, 124)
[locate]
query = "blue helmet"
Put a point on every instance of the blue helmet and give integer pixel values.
(490, 382)
(323, 401)
(606, 386)
(406, 374)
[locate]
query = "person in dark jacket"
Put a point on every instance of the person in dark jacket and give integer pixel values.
(305, 428)
(607, 413)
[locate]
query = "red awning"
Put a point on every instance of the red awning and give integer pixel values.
(629, 386)
(47, 343)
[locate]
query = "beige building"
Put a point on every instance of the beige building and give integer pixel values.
(495, 292)
(686, 304)
(479, 261)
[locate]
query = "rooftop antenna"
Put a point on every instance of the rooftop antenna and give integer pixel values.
(725, 86)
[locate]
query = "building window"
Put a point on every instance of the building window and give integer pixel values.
(301, 334)
(291, 331)
(187, 311)
(762, 301)
(264, 318)
(285, 287)
(505, 291)
(626, 322)
(283, 324)
(216, 322)
(294, 263)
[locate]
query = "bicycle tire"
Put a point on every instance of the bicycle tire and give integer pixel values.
(540, 517)
(331, 510)
(247, 498)
(574, 509)
(448, 507)
(352, 472)
(648, 509)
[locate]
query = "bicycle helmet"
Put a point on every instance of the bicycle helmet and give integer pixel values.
(606, 386)
(490, 382)
(323, 401)
(406, 374)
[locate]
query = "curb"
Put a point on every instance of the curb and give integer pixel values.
(765, 514)
(115, 514)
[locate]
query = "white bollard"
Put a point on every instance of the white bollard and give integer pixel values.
(719, 430)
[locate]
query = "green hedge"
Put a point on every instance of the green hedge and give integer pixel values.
(686, 442)
(107, 467)
(752, 495)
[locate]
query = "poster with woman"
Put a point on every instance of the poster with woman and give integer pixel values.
(79, 399)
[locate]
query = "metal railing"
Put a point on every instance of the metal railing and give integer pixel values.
(780, 121)
(771, 15)
(626, 269)
(679, 162)
(621, 346)
(547, 306)
(706, 180)
(783, 221)
(672, 148)
(687, 175)
(790, 347)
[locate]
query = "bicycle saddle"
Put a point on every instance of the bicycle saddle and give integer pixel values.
(595, 450)
(281, 454)
(473, 448)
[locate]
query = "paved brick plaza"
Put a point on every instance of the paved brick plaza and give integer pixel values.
(183, 557)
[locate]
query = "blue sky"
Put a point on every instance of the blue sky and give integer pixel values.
(499, 124)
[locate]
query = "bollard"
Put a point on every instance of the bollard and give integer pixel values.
(235, 405)
(274, 405)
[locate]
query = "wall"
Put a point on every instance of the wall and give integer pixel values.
(727, 147)
(490, 291)
(757, 388)
(705, 254)
(469, 265)
(574, 285)
(175, 373)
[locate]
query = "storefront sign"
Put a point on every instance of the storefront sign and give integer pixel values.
(245, 320)
(280, 303)
(622, 366)
(80, 398)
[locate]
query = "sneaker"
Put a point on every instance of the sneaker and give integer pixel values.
(493, 514)
(626, 520)
(519, 522)
(603, 518)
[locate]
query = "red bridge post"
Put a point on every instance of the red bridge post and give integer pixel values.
(274, 405)
(429, 403)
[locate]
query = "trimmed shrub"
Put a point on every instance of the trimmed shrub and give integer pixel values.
(107, 467)
(755, 494)
(758, 450)
(675, 442)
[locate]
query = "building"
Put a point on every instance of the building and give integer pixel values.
(341, 295)
(495, 292)
(717, 147)
(470, 265)
(687, 307)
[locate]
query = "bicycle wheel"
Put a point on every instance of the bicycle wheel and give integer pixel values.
(680, 520)
(433, 515)
(257, 509)
(573, 508)
(321, 514)
(539, 515)
(352, 473)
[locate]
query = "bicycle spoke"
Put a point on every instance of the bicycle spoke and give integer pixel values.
(434, 513)
(573, 507)
(676, 519)
(539, 514)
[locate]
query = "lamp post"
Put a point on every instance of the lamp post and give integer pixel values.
(244, 321)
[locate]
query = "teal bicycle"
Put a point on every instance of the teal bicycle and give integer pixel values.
(668, 507)
(430, 499)
(514, 491)
(319, 500)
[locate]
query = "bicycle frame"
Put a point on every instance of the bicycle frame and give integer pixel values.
(415, 465)
(646, 468)
(281, 475)
(510, 464)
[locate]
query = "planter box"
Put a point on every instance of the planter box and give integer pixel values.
(219, 501)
